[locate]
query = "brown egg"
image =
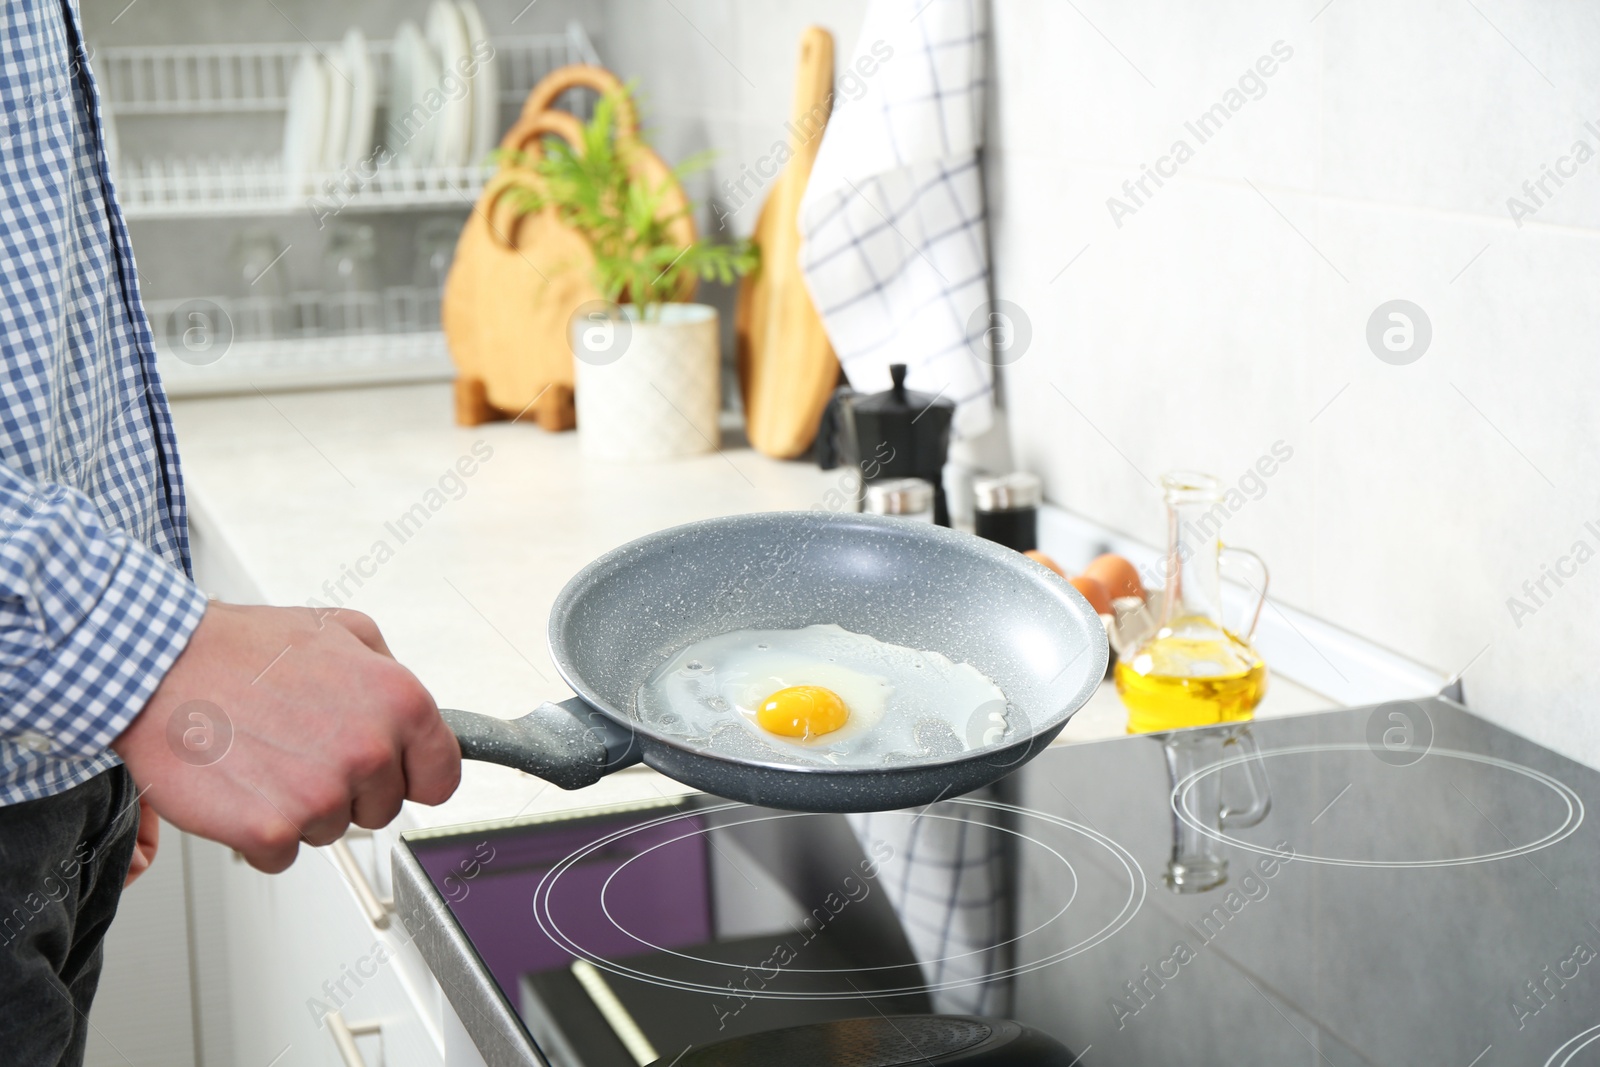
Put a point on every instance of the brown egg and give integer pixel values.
(1119, 577)
(1093, 592)
(1039, 557)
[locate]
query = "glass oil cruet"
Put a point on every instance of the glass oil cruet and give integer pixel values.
(1197, 762)
(1188, 669)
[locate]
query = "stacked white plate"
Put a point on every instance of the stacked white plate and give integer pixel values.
(355, 62)
(303, 130)
(413, 76)
(447, 33)
(485, 85)
(331, 110)
(443, 100)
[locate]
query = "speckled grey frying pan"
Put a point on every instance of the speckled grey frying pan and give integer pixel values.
(903, 582)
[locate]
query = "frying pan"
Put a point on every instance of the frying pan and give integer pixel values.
(905, 583)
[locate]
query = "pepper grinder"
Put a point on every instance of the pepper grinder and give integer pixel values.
(1008, 510)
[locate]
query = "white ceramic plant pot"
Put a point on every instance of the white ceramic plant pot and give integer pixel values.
(646, 389)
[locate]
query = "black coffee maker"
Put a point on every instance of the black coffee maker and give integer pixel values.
(893, 434)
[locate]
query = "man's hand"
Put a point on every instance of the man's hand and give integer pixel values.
(316, 727)
(146, 843)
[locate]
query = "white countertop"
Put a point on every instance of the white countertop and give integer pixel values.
(291, 494)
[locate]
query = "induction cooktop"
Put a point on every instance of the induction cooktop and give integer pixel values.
(1400, 884)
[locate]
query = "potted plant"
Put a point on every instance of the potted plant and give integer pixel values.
(647, 364)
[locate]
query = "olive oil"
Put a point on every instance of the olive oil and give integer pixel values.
(1191, 673)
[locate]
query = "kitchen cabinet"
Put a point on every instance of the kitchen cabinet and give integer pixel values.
(308, 952)
(144, 1013)
(298, 949)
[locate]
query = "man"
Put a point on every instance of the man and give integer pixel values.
(106, 646)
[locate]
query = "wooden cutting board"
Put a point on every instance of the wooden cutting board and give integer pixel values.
(512, 286)
(787, 368)
(517, 279)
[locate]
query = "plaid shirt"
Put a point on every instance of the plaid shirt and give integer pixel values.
(95, 600)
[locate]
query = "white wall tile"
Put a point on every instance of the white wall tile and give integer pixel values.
(1447, 105)
(1180, 341)
(1433, 481)
(769, 40)
(1233, 307)
(683, 54)
(1117, 85)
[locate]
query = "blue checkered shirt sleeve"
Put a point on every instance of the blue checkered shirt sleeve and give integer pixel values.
(96, 602)
(90, 620)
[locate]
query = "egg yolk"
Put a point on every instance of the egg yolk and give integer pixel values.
(803, 711)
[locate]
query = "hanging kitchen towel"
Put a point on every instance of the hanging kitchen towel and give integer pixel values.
(895, 248)
(944, 877)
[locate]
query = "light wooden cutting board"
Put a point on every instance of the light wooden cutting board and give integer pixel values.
(517, 279)
(787, 368)
(512, 287)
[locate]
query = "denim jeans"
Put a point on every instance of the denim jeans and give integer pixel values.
(62, 863)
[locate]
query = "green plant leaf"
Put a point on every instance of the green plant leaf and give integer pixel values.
(624, 218)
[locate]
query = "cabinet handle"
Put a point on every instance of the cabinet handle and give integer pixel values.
(344, 1037)
(376, 908)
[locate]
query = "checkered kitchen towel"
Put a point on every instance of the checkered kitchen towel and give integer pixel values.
(895, 234)
(945, 880)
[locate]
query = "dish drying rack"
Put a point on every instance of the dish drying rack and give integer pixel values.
(214, 346)
(182, 80)
(218, 345)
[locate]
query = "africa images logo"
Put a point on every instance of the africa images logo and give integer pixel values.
(199, 733)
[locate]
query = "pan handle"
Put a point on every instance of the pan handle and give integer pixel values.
(569, 744)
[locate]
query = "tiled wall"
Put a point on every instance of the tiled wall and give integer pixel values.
(1229, 311)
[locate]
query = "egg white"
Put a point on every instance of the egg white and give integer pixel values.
(904, 704)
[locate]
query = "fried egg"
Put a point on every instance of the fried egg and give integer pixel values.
(821, 695)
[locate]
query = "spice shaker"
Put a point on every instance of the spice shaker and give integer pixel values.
(904, 498)
(1007, 509)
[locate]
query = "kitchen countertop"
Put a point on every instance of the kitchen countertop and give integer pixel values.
(302, 497)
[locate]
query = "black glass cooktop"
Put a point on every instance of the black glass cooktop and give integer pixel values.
(1404, 885)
